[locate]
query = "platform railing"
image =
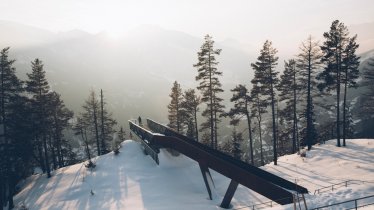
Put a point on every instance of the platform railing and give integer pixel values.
(336, 186)
(350, 204)
(145, 140)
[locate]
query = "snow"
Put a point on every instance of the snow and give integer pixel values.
(131, 180)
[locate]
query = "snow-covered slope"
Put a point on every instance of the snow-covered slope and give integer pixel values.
(132, 180)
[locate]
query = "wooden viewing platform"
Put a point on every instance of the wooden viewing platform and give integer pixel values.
(267, 184)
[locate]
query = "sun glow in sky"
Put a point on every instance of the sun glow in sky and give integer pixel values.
(239, 19)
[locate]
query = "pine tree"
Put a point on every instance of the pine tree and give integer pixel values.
(309, 61)
(38, 88)
(121, 137)
(258, 109)
(266, 79)
(236, 140)
(205, 138)
(81, 128)
(289, 89)
(368, 81)
(210, 87)
(335, 49)
(91, 116)
(350, 65)
(109, 130)
(242, 101)
(175, 113)
(190, 108)
(11, 88)
(107, 124)
(60, 116)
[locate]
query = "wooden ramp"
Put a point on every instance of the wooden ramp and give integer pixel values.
(256, 179)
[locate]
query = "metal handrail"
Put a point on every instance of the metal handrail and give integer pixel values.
(345, 183)
(146, 139)
(353, 200)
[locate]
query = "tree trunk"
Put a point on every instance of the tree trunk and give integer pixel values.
(103, 147)
(344, 107)
(46, 155)
(211, 104)
(215, 130)
(1, 191)
(273, 116)
(40, 153)
(259, 118)
(54, 159)
(196, 129)
(59, 153)
(338, 107)
(96, 130)
(10, 191)
(294, 114)
(85, 140)
(309, 108)
(260, 134)
(249, 133)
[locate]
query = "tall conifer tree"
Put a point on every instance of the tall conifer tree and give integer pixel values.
(190, 108)
(266, 79)
(351, 63)
(289, 88)
(339, 58)
(175, 108)
(38, 88)
(11, 88)
(91, 117)
(210, 87)
(309, 61)
(242, 102)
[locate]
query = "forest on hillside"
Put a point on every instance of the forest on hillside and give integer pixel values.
(280, 112)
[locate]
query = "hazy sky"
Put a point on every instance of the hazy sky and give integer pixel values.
(239, 19)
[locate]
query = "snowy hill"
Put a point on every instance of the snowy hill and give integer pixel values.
(132, 180)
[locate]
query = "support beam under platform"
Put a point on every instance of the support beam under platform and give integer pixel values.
(206, 175)
(229, 194)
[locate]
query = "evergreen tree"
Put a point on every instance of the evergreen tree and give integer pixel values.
(91, 117)
(121, 137)
(81, 128)
(350, 65)
(109, 129)
(210, 87)
(266, 79)
(335, 49)
(368, 99)
(236, 140)
(190, 108)
(242, 100)
(107, 124)
(38, 88)
(205, 138)
(60, 116)
(175, 113)
(11, 88)
(289, 89)
(309, 60)
(258, 109)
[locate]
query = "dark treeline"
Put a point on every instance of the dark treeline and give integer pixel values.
(34, 121)
(280, 107)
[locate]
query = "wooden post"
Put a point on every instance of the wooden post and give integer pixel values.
(306, 208)
(229, 194)
(204, 171)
